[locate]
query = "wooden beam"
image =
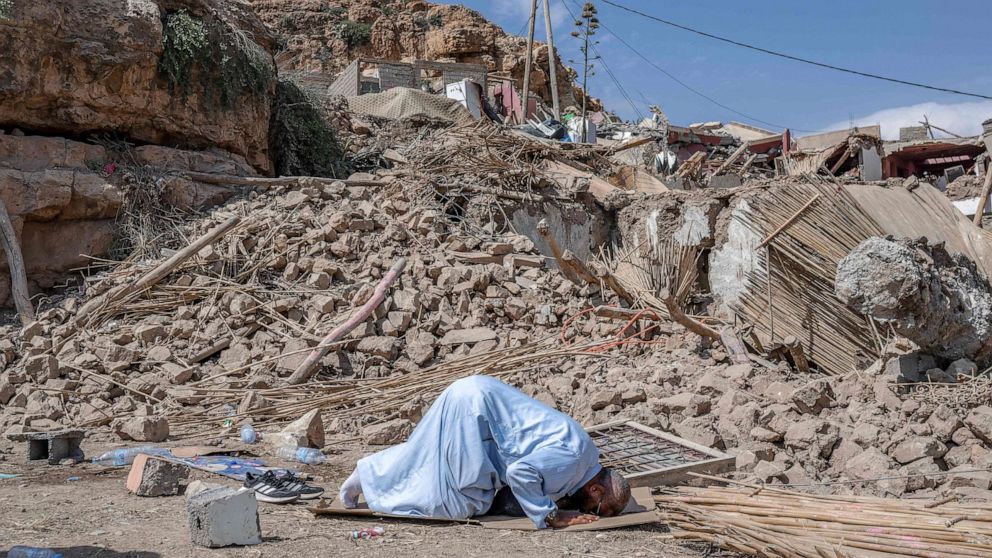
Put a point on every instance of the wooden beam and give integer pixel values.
(787, 222)
(747, 164)
(984, 198)
(306, 370)
(159, 272)
(18, 273)
(730, 160)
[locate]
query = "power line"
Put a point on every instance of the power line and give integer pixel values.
(794, 58)
(694, 90)
(610, 72)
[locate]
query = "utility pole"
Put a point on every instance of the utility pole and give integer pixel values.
(587, 24)
(530, 55)
(552, 60)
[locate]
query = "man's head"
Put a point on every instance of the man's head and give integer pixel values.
(605, 495)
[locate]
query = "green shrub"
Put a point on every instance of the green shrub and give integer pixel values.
(353, 33)
(335, 11)
(185, 42)
(286, 22)
(6, 8)
(225, 61)
(424, 23)
(303, 143)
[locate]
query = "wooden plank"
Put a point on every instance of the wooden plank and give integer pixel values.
(730, 160)
(157, 273)
(18, 273)
(674, 475)
(718, 461)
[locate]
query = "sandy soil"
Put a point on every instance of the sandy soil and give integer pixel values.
(96, 517)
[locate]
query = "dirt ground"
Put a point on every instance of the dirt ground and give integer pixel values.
(96, 517)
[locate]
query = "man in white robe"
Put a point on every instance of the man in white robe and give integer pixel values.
(478, 437)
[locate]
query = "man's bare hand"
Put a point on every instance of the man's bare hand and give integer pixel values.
(569, 518)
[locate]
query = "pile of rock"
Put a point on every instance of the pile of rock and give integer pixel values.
(247, 309)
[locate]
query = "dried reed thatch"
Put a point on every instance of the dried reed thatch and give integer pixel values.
(781, 524)
(791, 290)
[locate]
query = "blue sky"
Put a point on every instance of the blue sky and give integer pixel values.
(941, 43)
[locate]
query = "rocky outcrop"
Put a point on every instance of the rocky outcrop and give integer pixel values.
(323, 36)
(203, 79)
(63, 198)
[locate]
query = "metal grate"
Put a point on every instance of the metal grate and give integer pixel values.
(631, 451)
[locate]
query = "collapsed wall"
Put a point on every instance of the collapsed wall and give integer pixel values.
(938, 300)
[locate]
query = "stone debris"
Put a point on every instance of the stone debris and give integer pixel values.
(223, 516)
(154, 476)
(938, 300)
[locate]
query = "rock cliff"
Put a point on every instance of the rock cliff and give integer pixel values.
(192, 73)
(325, 35)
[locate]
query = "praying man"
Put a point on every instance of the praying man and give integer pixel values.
(485, 447)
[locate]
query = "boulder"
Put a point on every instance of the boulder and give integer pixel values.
(94, 66)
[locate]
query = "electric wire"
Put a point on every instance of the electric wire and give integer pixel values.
(613, 76)
(794, 58)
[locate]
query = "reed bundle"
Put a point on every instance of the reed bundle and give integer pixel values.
(790, 290)
(778, 524)
(377, 399)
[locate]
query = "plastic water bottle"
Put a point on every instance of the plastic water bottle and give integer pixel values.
(125, 456)
(310, 456)
(249, 435)
(32, 552)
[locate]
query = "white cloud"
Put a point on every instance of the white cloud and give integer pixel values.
(964, 119)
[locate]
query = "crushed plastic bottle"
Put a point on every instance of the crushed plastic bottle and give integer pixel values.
(249, 435)
(310, 456)
(32, 552)
(125, 456)
(368, 533)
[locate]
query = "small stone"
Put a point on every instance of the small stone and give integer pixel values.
(979, 421)
(144, 429)
(812, 397)
(603, 397)
(42, 367)
(150, 333)
(387, 433)
(152, 476)
(468, 336)
(764, 435)
(693, 404)
(917, 448)
(383, 346)
(159, 353)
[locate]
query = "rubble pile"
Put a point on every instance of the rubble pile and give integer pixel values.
(305, 256)
(251, 306)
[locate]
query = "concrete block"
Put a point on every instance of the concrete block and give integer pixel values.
(52, 446)
(223, 516)
(154, 476)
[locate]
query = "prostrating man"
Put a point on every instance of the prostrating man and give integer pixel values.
(478, 437)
